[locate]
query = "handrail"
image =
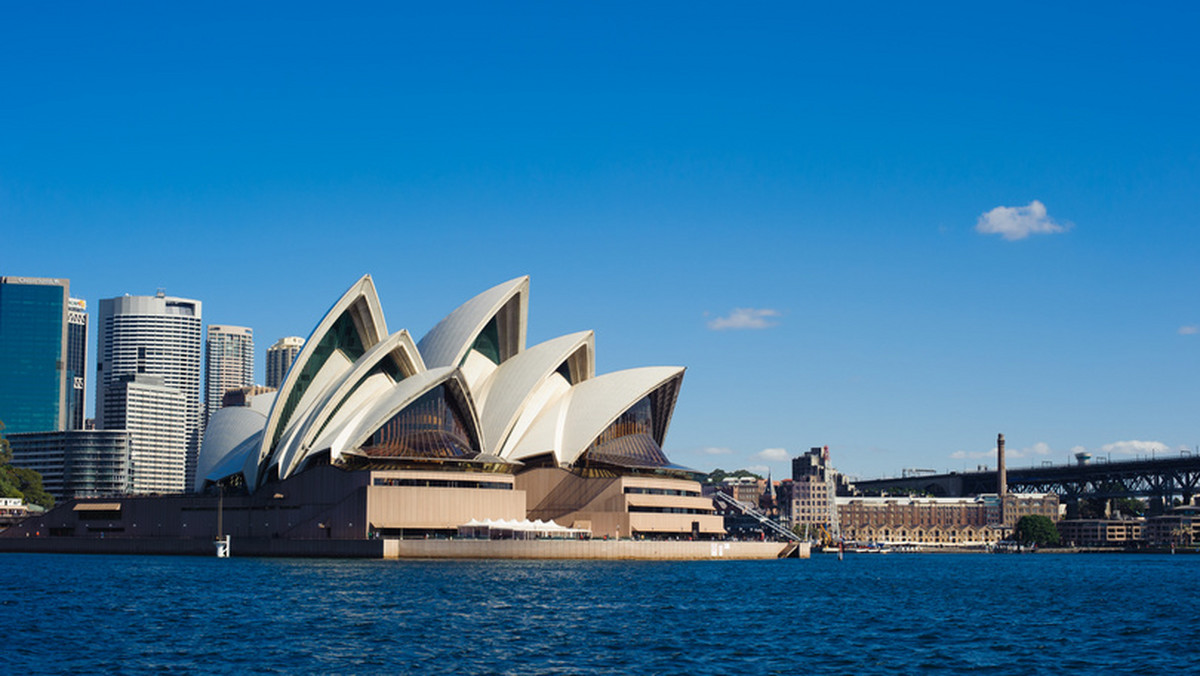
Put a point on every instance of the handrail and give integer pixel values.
(759, 516)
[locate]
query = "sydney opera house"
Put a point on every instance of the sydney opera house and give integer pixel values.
(465, 444)
(388, 437)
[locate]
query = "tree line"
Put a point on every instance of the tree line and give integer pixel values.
(20, 482)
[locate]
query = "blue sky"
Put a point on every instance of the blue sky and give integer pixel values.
(893, 230)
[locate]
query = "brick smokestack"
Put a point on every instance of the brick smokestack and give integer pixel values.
(1001, 472)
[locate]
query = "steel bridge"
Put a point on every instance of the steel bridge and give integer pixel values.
(1157, 478)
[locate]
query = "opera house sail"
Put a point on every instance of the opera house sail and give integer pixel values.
(468, 424)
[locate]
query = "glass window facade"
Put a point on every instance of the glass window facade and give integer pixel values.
(76, 463)
(444, 483)
(488, 342)
(430, 427)
(629, 441)
(564, 370)
(33, 355)
(638, 490)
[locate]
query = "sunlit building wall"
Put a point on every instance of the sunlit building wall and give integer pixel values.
(937, 521)
(280, 357)
(808, 502)
(152, 335)
(153, 415)
(228, 363)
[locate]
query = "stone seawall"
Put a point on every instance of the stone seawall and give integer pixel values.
(649, 550)
(652, 550)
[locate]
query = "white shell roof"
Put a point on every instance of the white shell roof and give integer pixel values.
(447, 343)
(224, 446)
(511, 388)
(571, 424)
(524, 406)
(263, 403)
(345, 395)
(373, 328)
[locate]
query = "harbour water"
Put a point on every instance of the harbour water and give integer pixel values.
(868, 614)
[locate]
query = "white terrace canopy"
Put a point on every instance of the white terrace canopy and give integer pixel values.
(501, 529)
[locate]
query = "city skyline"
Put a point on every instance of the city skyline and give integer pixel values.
(895, 232)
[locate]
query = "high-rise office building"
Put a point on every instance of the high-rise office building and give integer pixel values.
(33, 354)
(151, 335)
(153, 415)
(280, 357)
(228, 363)
(77, 335)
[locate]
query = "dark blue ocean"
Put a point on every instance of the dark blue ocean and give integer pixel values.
(890, 614)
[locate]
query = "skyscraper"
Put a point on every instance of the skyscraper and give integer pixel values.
(228, 363)
(152, 335)
(153, 416)
(280, 357)
(33, 354)
(77, 335)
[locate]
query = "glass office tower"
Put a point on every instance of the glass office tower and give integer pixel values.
(33, 354)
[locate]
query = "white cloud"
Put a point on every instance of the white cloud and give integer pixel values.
(745, 318)
(1040, 448)
(1134, 447)
(1013, 223)
(761, 470)
(716, 450)
(972, 455)
(774, 454)
(1189, 330)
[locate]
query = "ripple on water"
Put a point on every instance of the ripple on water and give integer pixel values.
(867, 615)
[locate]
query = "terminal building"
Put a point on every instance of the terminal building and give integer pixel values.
(372, 434)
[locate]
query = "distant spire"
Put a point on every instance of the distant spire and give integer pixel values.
(767, 499)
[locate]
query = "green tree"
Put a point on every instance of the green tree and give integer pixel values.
(1037, 529)
(19, 482)
(1091, 508)
(1128, 507)
(803, 531)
